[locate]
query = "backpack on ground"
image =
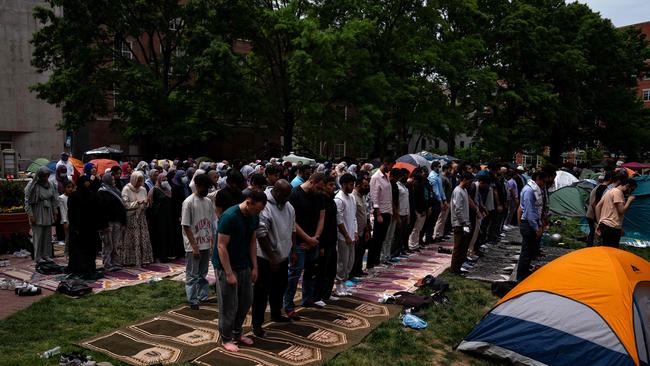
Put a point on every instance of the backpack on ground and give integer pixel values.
(74, 288)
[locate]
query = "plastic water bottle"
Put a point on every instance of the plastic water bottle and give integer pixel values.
(49, 353)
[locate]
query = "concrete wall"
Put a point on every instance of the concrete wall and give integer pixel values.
(28, 121)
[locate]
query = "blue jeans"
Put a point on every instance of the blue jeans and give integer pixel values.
(307, 260)
(196, 271)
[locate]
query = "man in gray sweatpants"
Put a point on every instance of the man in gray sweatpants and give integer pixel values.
(235, 261)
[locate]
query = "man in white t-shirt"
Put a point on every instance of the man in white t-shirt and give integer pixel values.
(197, 216)
(346, 220)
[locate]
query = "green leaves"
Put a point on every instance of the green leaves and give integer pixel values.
(517, 75)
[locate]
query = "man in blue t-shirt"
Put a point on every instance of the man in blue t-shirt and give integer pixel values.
(235, 262)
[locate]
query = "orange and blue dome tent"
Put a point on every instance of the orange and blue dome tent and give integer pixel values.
(589, 307)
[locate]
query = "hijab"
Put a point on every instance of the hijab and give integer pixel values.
(159, 186)
(134, 180)
(108, 185)
(88, 167)
(353, 170)
(190, 173)
(40, 179)
(177, 177)
(142, 166)
(61, 180)
(125, 174)
(81, 187)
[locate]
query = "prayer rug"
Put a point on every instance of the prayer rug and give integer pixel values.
(24, 269)
(184, 335)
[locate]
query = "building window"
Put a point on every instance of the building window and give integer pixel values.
(462, 144)
(115, 94)
(646, 95)
(175, 24)
(339, 150)
(125, 50)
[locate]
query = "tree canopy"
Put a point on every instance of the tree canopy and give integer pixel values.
(517, 75)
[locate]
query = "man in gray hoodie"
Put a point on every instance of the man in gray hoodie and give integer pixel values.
(276, 234)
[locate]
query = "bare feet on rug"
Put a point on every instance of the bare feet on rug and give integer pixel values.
(231, 347)
(245, 341)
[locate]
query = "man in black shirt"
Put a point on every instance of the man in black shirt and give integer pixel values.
(307, 200)
(232, 194)
(327, 247)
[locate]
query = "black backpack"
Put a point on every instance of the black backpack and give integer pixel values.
(73, 288)
(49, 268)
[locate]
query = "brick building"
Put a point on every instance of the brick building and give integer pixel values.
(644, 80)
(27, 124)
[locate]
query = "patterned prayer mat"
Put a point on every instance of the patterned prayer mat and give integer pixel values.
(386, 280)
(402, 276)
(183, 335)
(24, 269)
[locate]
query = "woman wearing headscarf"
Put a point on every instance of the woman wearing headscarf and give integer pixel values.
(41, 203)
(190, 174)
(113, 214)
(353, 170)
(60, 178)
(125, 178)
(180, 192)
(90, 172)
(83, 213)
(137, 245)
(142, 167)
(162, 222)
(152, 176)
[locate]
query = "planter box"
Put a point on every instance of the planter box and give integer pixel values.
(14, 223)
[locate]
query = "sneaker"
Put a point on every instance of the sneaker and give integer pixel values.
(320, 304)
(334, 298)
(340, 292)
(473, 258)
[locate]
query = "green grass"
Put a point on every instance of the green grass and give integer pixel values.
(58, 320)
(61, 321)
(393, 344)
(573, 237)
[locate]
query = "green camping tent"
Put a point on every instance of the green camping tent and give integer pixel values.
(571, 201)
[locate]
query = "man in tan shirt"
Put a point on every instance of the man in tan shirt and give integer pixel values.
(610, 212)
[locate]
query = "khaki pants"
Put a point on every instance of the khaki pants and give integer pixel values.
(439, 229)
(414, 238)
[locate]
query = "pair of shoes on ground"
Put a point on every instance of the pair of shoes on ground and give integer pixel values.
(76, 359)
(27, 290)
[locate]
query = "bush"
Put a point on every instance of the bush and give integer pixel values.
(12, 196)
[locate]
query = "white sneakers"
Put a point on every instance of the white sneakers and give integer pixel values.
(342, 290)
(320, 303)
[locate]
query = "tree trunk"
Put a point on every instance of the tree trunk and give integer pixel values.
(451, 142)
(289, 124)
(556, 146)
